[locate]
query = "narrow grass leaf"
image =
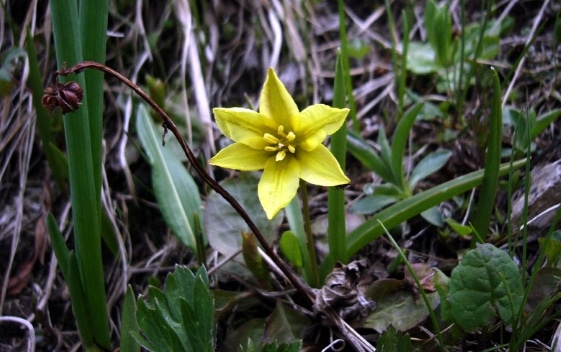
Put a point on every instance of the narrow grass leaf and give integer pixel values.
(59, 245)
(80, 305)
(85, 192)
(412, 206)
(368, 156)
(93, 34)
(490, 180)
(336, 232)
(543, 121)
(399, 142)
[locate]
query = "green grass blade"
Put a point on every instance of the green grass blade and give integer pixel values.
(85, 194)
(79, 301)
(336, 229)
(93, 30)
(59, 246)
(368, 156)
(406, 209)
(399, 142)
(419, 286)
(490, 182)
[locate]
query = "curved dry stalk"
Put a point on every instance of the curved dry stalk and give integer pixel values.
(168, 124)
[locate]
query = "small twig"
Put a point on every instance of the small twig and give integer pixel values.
(168, 124)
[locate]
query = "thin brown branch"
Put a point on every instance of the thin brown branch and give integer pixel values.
(168, 124)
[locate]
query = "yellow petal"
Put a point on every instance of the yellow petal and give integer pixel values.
(244, 125)
(276, 102)
(317, 122)
(320, 167)
(241, 157)
(278, 185)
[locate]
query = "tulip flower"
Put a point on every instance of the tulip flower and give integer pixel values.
(283, 141)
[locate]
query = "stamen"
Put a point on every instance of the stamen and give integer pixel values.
(269, 138)
(290, 136)
(281, 143)
(280, 155)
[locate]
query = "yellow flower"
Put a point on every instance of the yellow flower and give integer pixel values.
(283, 141)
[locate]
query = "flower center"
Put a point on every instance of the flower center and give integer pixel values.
(280, 143)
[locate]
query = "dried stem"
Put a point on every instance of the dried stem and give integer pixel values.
(168, 124)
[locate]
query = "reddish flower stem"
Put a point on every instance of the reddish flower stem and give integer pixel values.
(168, 124)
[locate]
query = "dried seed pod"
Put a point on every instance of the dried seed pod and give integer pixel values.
(66, 95)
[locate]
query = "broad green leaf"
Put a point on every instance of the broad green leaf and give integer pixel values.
(486, 284)
(430, 164)
(290, 248)
(223, 224)
(400, 309)
(543, 121)
(421, 58)
(176, 191)
(433, 216)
